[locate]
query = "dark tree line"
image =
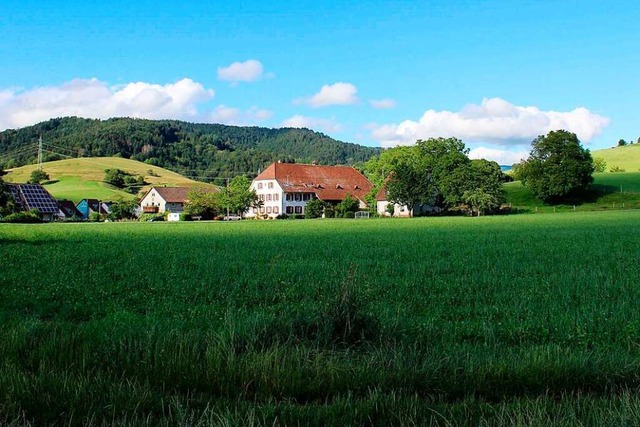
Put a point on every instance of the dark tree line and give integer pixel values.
(200, 151)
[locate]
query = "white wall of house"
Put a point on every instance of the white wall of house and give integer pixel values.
(399, 210)
(271, 194)
(153, 199)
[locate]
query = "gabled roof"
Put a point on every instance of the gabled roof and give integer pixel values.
(68, 208)
(327, 182)
(171, 194)
(95, 204)
(33, 196)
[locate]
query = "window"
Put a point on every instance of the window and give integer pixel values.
(268, 209)
(298, 197)
(289, 209)
(261, 209)
(306, 196)
(259, 186)
(276, 197)
(270, 185)
(276, 210)
(268, 197)
(261, 197)
(289, 197)
(298, 209)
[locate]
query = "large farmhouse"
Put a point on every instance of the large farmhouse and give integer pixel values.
(287, 187)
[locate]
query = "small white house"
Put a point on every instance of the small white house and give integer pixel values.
(164, 199)
(285, 188)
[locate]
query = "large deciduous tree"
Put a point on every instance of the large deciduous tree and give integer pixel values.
(237, 197)
(6, 201)
(557, 167)
(202, 202)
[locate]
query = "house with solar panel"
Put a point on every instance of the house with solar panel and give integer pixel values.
(287, 187)
(34, 197)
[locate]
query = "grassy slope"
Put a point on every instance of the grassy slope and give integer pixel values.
(76, 179)
(605, 194)
(627, 157)
(526, 319)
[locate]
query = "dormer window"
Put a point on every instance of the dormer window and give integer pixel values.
(339, 186)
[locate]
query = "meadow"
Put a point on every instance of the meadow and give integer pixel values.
(516, 320)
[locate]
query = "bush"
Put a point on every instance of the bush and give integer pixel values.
(329, 212)
(22, 218)
(185, 217)
(616, 169)
(350, 215)
(95, 217)
(282, 216)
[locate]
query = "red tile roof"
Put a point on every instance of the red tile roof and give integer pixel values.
(327, 182)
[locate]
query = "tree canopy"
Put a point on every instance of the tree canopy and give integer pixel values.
(238, 196)
(558, 166)
(202, 202)
(437, 172)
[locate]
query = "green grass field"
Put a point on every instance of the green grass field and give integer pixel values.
(81, 178)
(609, 191)
(627, 157)
(516, 320)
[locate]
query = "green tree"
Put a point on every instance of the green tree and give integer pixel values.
(115, 177)
(599, 165)
(123, 209)
(557, 166)
(38, 176)
(348, 204)
(314, 209)
(238, 196)
(479, 201)
(202, 202)
(487, 178)
(622, 142)
(7, 204)
(447, 164)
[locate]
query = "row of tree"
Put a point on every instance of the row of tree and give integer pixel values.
(437, 172)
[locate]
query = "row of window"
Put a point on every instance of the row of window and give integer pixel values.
(267, 210)
(294, 209)
(298, 197)
(269, 185)
(269, 197)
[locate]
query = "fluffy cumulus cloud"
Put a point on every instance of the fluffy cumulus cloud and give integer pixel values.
(336, 94)
(235, 116)
(494, 121)
(247, 71)
(93, 98)
(382, 103)
(298, 121)
(503, 157)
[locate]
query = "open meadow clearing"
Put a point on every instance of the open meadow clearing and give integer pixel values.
(522, 320)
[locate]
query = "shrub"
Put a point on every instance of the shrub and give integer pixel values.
(616, 169)
(22, 218)
(95, 217)
(282, 216)
(185, 217)
(349, 215)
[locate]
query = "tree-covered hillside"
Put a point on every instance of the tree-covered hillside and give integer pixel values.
(200, 151)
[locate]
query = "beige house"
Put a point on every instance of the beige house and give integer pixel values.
(164, 199)
(285, 188)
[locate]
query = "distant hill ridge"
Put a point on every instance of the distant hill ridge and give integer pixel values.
(198, 151)
(626, 157)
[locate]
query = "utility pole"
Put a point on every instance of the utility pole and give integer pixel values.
(40, 153)
(227, 197)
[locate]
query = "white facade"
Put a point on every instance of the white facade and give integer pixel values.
(154, 199)
(276, 202)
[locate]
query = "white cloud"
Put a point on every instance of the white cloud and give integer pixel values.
(382, 103)
(247, 71)
(336, 94)
(235, 116)
(502, 157)
(494, 121)
(93, 98)
(298, 121)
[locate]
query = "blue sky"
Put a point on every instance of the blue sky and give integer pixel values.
(492, 73)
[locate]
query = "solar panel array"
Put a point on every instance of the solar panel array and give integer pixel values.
(32, 196)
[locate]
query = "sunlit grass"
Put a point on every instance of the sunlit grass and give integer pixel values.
(312, 322)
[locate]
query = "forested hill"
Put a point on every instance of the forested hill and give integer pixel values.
(200, 151)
